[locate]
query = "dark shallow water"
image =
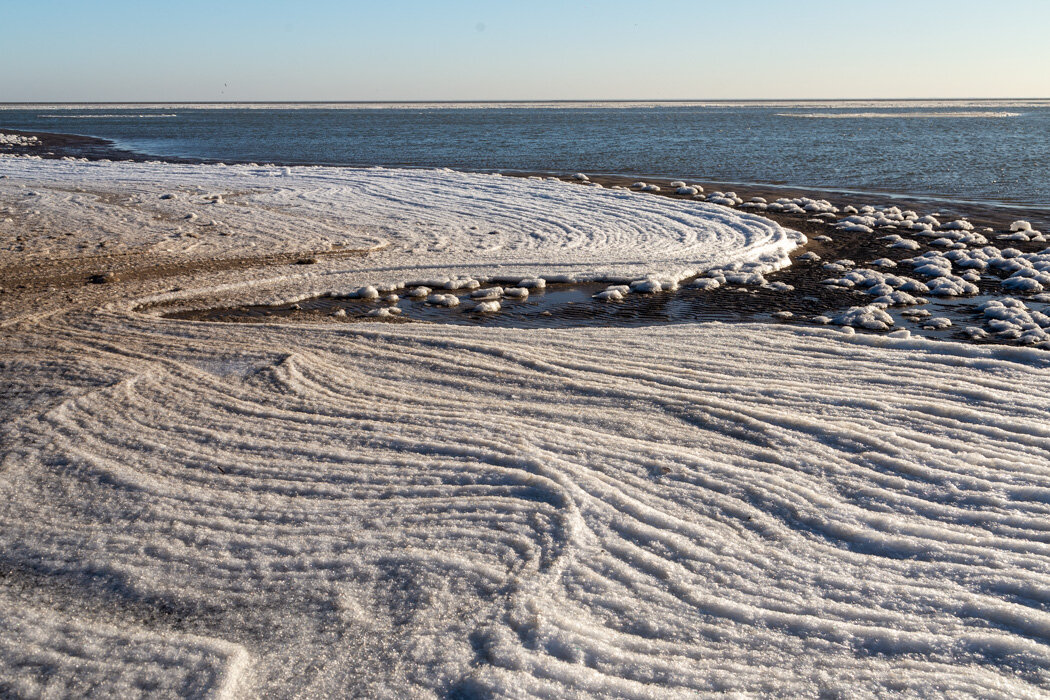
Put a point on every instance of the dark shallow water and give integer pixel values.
(572, 306)
(981, 151)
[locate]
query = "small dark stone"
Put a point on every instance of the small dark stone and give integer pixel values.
(104, 278)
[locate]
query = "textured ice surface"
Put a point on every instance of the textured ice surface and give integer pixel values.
(410, 510)
(624, 512)
(414, 222)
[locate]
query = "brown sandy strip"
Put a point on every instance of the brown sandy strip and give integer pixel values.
(137, 267)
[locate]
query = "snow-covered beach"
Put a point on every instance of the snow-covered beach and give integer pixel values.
(422, 509)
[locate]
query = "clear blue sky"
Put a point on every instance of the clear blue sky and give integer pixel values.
(123, 50)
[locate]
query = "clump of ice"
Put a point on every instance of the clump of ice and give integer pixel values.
(798, 206)
(854, 224)
(937, 323)
(728, 199)
(446, 300)
(487, 307)
(871, 317)
(889, 289)
(462, 283)
(487, 293)
(938, 266)
(614, 293)
(1011, 319)
(916, 313)
(368, 292)
(1022, 231)
(652, 285)
(1027, 285)
(18, 140)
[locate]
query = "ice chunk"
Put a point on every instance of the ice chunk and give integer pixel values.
(937, 323)
(447, 300)
(871, 317)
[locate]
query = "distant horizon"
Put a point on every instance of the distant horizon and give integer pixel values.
(640, 100)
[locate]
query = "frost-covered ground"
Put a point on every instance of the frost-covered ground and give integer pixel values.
(417, 224)
(406, 510)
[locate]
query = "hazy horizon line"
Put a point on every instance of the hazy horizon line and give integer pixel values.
(526, 101)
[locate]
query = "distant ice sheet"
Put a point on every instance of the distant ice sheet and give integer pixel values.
(112, 115)
(899, 115)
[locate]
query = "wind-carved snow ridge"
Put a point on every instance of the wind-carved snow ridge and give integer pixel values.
(414, 223)
(623, 512)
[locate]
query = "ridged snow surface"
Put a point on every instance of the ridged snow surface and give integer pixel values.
(227, 510)
(415, 223)
(628, 512)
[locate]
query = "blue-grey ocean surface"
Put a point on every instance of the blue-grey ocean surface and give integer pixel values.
(981, 151)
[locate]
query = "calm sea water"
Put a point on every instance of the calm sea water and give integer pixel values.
(979, 151)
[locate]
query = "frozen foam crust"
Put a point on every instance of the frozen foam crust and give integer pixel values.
(618, 512)
(412, 510)
(413, 224)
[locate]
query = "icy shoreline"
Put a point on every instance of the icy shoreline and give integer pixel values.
(266, 510)
(416, 225)
(62, 146)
